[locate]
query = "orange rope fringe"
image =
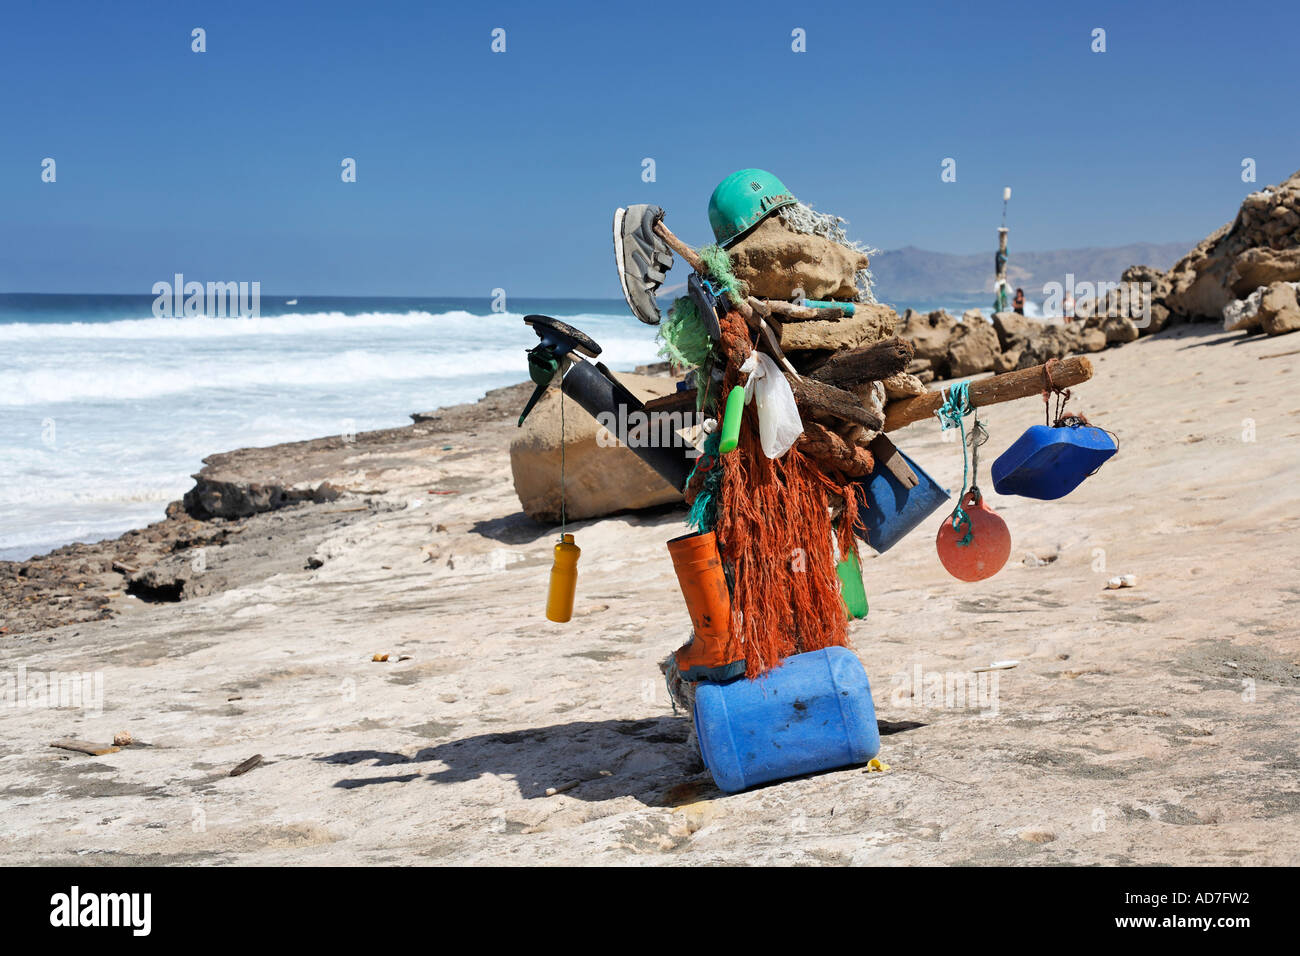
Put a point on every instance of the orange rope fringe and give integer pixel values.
(774, 531)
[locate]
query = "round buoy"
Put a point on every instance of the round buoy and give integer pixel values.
(989, 547)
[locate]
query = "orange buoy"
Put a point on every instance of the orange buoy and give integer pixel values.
(989, 547)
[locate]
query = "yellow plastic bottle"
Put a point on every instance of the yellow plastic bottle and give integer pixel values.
(564, 580)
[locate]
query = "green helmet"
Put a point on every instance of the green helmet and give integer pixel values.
(742, 201)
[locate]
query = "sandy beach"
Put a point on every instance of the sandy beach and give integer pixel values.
(1147, 725)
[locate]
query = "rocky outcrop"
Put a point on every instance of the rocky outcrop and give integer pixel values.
(974, 346)
(601, 476)
(774, 261)
(929, 333)
(1258, 248)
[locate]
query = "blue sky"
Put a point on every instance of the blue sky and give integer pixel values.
(478, 170)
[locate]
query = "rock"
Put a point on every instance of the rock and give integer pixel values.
(1279, 311)
(601, 478)
(973, 346)
(1118, 329)
(868, 324)
(1092, 340)
(929, 334)
(177, 577)
(1269, 307)
(1261, 246)
(1027, 342)
(921, 370)
(1014, 330)
(1243, 314)
(774, 260)
(903, 385)
(1147, 288)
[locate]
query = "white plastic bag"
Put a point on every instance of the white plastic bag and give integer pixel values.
(779, 425)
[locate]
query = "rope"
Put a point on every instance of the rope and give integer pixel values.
(952, 414)
(562, 493)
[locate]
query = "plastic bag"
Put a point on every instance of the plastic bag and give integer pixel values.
(779, 425)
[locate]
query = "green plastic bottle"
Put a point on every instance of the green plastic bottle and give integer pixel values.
(731, 420)
(851, 589)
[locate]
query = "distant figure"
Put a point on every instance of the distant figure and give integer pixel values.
(1067, 308)
(1018, 303)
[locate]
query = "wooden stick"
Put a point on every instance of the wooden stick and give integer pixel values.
(834, 401)
(85, 747)
(246, 766)
(990, 391)
(798, 312)
(871, 363)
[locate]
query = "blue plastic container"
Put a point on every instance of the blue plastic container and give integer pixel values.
(812, 713)
(892, 509)
(1049, 463)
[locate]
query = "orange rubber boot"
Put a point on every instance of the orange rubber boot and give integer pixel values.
(699, 572)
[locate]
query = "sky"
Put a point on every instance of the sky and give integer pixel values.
(478, 170)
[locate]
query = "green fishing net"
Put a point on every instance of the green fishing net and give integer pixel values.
(685, 343)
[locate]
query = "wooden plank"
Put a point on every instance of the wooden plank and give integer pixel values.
(85, 747)
(246, 766)
(887, 456)
(990, 391)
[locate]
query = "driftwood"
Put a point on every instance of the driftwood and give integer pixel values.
(990, 391)
(797, 313)
(246, 766)
(887, 456)
(85, 747)
(820, 397)
(871, 363)
(831, 452)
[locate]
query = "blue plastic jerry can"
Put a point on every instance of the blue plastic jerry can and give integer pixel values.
(812, 713)
(892, 509)
(1048, 463)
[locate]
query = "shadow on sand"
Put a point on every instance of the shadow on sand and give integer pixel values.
(590, 760)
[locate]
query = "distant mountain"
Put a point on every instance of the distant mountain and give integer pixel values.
(920, 279)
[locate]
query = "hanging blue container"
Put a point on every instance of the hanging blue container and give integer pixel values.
(1049, 463)
(812, 713)
(892, 508)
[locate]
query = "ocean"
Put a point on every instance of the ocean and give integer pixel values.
(106, 411)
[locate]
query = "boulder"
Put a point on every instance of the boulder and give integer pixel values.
(601, 477)
(1261, 246)
(1147, 288)
(1092, 340)
(1027, 342)
(1279, 311)
(929, 334)
(1013, 329)
(774, 261)
(973, 346)
(1118, 329)
(868, 324)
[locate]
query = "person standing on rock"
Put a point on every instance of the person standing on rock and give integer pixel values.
(1018, 303)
